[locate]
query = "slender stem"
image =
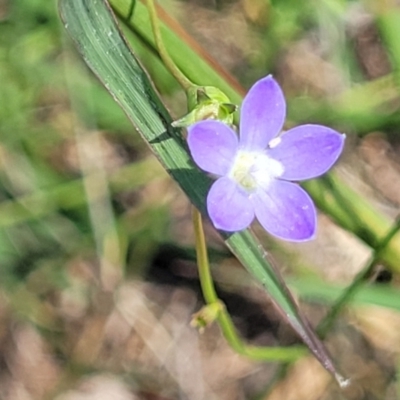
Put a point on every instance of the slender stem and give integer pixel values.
(341, 302)
(169, 63)
(207, 284)
(206, 281)
(223, 317)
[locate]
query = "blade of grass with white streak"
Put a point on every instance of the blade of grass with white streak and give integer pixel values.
(93, 28)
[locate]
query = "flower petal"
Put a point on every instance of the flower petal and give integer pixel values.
(213, 146)
(228, 206)
(285, 210)
(307, 151)
(262, 115)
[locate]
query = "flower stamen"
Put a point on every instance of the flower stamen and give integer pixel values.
(253, 170)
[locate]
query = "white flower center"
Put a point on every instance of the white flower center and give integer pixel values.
(252, 170)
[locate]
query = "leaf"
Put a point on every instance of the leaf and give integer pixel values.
(317, 290)
(341, 202)
(94, 30)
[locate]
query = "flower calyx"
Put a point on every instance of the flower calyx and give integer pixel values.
(207, 102)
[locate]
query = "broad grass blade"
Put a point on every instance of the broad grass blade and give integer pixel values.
(342, 203)
(94, 30)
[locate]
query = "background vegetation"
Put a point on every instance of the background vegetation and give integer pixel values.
(98, 280)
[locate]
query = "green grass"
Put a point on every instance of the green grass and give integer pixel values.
(78, 185)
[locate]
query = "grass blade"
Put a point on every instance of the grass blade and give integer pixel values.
(93, 28)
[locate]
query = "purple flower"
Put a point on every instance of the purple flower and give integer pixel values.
(255, 169)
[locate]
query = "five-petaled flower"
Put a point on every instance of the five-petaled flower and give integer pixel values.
(255, 170)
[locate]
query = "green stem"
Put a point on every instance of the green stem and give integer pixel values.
(223, 318)
(326, 324)
(207, 284)
(206, 281)
(169, 63)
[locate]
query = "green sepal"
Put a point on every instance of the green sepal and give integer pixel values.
(207, 102)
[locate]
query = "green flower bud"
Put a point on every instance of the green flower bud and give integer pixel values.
(207, 102)
(206, 316)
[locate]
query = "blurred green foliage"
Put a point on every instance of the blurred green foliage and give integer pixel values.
(51, 213)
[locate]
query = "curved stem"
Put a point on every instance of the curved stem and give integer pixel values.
(169, 63)
(223, 317)
(206, 281)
